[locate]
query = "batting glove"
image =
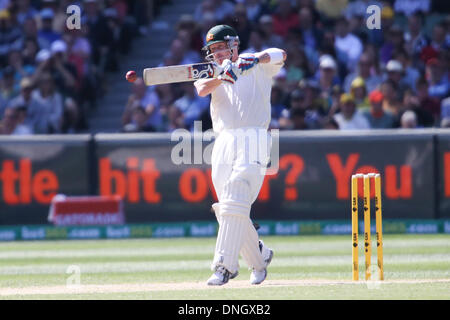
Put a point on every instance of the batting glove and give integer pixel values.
(229, 72)
(244, 64)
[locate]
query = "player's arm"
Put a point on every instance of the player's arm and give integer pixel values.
(206, 86)
(227, 74)
(272, 56)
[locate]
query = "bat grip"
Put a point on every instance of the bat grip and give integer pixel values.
(218, 70)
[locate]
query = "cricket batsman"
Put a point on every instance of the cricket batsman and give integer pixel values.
(240, 113)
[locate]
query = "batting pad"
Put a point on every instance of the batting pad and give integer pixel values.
(216, 209)
(236, 197)
(250, 248)
(232, 228)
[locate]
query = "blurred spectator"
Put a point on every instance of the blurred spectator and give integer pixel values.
(271, 39)
(330, 124)
(148, 99)
(366, 71)
(24, 10)
(331, 9)
(438, 80)
(138, 121)
(410, 73)
(312, 118)
(49, 108)
(387, 18)
(407, 7)
(358, 8)
(311, 35)
(439, 42)
(256, 42)
(177, 54)
(25, 99)
(255, 8)
(327, 79)
(296, 66)
(415, 39)
(10, 35)
(313, 98)
(411, 102)
(277, 105)
(391, 100)
(284, 18)
(7, 87)
(30, 32)
(359, 93)
(428, 103)
(190, 105)
(328, 44)
(336, 93)
(189, 54)
(63, 72)
(29, 50)
(348, 44)
(408, 120)
(350, 118)
(220, 8)
(394, 42)
(298, 119)
(46, 32)
(242, 25)
(60, 16)
(377, 117)
(101, 35)
(395, 73)
(187, 23)
(13, 122)
(175, 118)
(77, 56)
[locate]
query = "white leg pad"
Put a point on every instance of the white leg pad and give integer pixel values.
(250, 248)
(231, 234)
(236, 198)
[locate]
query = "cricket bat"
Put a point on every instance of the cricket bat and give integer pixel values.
(181, 73)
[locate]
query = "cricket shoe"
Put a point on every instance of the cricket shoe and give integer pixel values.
(256, 277)
(219, 277)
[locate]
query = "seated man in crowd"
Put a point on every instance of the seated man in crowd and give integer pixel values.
(13, 122)
(350, 118)
(377, 117)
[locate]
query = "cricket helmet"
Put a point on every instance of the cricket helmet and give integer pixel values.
(220, 33)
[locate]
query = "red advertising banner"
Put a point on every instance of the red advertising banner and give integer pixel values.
(87, 210)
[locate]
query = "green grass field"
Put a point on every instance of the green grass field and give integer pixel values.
(304, 267)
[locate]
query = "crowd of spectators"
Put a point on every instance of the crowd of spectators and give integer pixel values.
(52, 72)
(339, 74)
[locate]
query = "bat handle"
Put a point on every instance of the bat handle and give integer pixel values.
(218, 70)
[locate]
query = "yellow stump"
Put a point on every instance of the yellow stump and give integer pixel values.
(355, 227)
(379, 225)
(367, 244)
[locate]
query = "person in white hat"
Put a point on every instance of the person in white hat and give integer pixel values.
(327, 75)
(396, 73)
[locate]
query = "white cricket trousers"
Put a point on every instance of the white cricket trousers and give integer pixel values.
(239, 160)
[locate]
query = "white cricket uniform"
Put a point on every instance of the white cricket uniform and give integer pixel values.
(240, 110)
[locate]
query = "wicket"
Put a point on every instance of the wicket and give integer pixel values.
(379, 228)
